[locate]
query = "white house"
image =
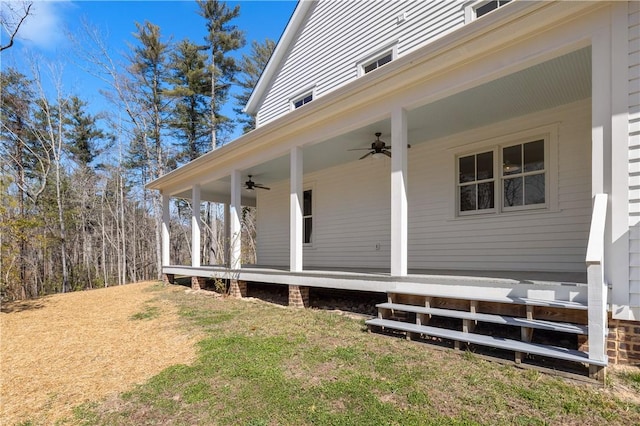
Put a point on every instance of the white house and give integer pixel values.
(504, 184)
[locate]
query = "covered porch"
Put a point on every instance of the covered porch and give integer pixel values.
(434, 111)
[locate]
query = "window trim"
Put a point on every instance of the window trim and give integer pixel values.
(548, 133)
(495, 179)
(470, 13)
(379, 53)
(538, 206)
(313, 213)
(307, 91)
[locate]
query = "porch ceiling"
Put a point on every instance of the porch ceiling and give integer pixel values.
(546, 85)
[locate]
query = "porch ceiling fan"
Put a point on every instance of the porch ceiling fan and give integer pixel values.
(251, 185)
(378, 148)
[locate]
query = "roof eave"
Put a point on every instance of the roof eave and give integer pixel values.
(323, 105)
(278, 55)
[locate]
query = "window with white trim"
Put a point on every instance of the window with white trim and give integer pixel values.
(302, 100)
(489, 6)
(481, 8)
(307, 216)
(503, 178)
(476, 183)
(523, 175)
(376, 63)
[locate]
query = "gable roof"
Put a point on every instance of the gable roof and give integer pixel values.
(279, 54)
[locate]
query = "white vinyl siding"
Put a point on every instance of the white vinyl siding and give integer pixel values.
(333, 39)
(272, 211)
(352, 212)
(634, 152)
(350, 217)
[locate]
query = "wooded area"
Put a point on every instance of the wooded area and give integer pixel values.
(74, 213)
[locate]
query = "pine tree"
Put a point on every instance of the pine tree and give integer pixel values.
(251, 67)
(25, 166)
(149, 70)
(81, 133)
(223, 37)
(190, 82)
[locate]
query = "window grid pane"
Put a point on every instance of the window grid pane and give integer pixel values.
(534, 189)
(307, 230)
(523, 173)
(307, 216)
(512, 192)
(533, 156)
(468, 198)
(476, 186)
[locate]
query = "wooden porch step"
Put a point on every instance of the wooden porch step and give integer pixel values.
(496, 342)
(513, 300)
(564, 327)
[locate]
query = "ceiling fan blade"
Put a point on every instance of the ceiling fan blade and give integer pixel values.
(359, 149)
(366, 155)
(387, 153)
(257, 185)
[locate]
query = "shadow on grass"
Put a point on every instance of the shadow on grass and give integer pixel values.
(21, 306)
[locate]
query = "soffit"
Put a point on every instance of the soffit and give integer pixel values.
(556, 82)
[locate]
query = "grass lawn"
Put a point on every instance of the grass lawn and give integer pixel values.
(264, 364)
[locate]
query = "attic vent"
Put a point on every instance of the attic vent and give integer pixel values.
(385, 59)
(485, 7)
(302, 100)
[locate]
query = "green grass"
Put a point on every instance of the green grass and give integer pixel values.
(148, 313)
(633, 379)
(266, 365)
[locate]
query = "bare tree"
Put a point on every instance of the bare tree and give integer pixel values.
(11, 19)
(51, 135)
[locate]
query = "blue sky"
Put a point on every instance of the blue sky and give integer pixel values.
(43, 35)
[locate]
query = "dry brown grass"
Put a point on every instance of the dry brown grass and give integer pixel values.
(64, 350)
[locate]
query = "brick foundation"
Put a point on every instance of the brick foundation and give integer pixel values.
(168, 279)
(298, 296)
(238, 289)
(197, 283)
(623, 342)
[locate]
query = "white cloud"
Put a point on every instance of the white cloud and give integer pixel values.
(44, 28)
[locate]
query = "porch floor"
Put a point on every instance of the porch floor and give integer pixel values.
(489, 285)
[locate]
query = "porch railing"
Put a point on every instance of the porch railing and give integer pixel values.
(597, 297)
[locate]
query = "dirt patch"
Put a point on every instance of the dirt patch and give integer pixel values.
(65, 350)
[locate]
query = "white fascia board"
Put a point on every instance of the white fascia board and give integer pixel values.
(386, 81)
(279, 54)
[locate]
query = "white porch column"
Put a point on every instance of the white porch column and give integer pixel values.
(166, 218)
(617, 269)
(227, 233)
(196, 225)
(399, 209)
(600, 184)
(295, 212)
(600, 110)
(235, 210)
